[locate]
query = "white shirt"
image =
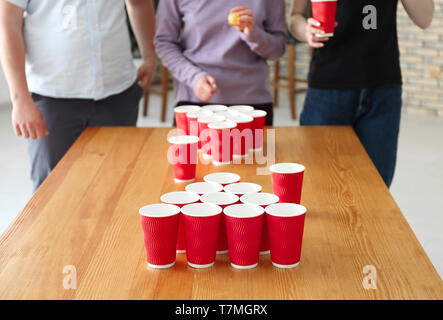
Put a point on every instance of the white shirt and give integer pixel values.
(77, 48)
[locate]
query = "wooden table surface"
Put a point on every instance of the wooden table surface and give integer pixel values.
(86, 215)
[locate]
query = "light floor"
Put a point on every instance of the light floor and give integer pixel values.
(417, 188)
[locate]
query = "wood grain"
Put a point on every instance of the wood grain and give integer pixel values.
(86, 215)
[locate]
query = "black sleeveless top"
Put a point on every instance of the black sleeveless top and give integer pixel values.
(364, 50)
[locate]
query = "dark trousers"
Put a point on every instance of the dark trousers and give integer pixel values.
(268, 107)
(374, 113)
(67, 118)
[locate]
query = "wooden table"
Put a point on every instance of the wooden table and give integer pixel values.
(86, 215)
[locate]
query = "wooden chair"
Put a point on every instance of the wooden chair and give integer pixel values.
(288, 82)
(166, 85)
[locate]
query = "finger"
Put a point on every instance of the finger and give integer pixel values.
(17, 130)
(246, 20)
(336, 23)
(145, 82)
(314, 44)
(211, 80)
(208, 89)
(315, 30)
(245, 13)
(31, 131)
(39, 132)
(237, 9)
(140, 74)
(42, 130)
(45, 128)
(320, 39)
(24, 131)
(314, 22)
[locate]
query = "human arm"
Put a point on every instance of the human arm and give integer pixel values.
(269, 41)
(142, 17)
(27, 120)
(171, 53)
(420, 11)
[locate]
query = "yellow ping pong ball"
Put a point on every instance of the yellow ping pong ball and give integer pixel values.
(233, 19)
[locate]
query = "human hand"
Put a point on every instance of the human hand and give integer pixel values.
(205, 88)
(313, 34)
(27, 120)
(246, 22)
(146, 72)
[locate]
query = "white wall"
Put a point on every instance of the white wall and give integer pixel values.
(4, 93)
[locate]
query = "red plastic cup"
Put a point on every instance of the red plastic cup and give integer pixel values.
(204, 133)
(324, 11)
(244, 225)
(263, 200)
(221, 141)
(286, 223)
(160, 224)
(180, 199)
(242, 135)
(287, 181)
(241, 108)
(183, 155)
(228, 113)
(258, 128)
(180, 118)
(223, 178)
(222, 199)
(243, 188)
(215, 107)
(192, 119)
(204, 187)
(201, 222)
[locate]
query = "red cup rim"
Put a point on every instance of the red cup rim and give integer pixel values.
(256, 113)
(227, 124)
(243, 188)
(261, 198)
(324, 0)
(199, 113)
(215, 107)
(212, 118)
(180, 197)
(287, 168)
(240, 118)
(186, 109)
(241, 107)
(219, 198)
(183, 139)
(201, 210)
(222, 177)
(204, 187)
(285, 210)
(228, 112)
(243, 211)
(159, 210)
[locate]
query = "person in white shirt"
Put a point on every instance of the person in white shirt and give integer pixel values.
(69, 65)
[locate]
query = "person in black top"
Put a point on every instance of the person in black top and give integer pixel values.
(355, 77)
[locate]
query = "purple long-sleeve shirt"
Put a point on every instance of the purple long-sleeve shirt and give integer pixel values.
(193, 38)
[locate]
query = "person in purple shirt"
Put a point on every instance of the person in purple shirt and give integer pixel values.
(215, 63)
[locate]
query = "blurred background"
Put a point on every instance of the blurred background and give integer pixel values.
(418, 183)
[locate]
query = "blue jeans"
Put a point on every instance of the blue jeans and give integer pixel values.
(374, 113)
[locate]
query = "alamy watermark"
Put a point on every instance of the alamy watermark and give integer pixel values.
(227, 147)
(70, 278)
(370, 280)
